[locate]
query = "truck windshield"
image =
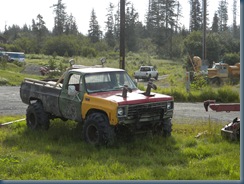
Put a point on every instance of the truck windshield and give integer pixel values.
(107, 81)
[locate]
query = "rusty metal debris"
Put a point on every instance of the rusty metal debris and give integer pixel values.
(230, 131)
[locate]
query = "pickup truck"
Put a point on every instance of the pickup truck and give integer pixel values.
(146, 72)
(104, 100)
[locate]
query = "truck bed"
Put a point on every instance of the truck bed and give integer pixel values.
(45, 91)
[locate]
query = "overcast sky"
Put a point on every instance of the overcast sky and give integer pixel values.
(20, 12)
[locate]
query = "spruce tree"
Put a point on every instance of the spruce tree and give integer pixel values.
(94, 32)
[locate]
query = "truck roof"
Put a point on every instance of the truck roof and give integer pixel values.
(97, 69)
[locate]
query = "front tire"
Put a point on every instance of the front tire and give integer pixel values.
(97, 131)
(167, 127)
(36, 117)
(156, 78)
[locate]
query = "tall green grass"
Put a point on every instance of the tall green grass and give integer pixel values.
(61, 154)
(225, 94)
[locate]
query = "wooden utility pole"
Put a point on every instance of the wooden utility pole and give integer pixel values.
(122, 34)
(204, 31)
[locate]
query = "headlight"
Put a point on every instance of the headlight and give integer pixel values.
(121, 111)
(169, 105)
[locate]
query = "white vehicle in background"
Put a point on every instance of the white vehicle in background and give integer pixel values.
(146, 72)
(14, 56)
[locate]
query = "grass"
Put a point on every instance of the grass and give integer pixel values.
(61, 154)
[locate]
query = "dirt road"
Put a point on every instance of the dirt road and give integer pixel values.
(11, 104)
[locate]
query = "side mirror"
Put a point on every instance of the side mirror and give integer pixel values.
(72, 91)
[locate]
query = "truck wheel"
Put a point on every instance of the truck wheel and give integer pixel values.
(97, 131)
(156, 78)
(215, 81)
(149, 77)
(167, 127)
(36, 117)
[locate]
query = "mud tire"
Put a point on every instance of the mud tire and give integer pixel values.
(97, 131)
(167, 127)
(36, 117)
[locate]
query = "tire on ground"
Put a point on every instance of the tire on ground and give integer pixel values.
(167, 127)
(36, 117)
(156, 77)
(97, 131)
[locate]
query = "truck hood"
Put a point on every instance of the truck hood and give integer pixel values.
(135, 97)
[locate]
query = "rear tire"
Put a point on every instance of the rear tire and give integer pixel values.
(97, 131)
(36, 117)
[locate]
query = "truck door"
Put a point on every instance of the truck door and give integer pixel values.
(223, 71)
(71, 97)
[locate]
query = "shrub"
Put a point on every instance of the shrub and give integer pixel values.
(89, 52)
(231, 58)
(199, 82)
(227, 95)
(179, 95)
(208, 93)
(3, 81)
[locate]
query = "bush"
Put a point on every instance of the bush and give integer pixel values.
(231, 58)
(180, 95)
(199, 82)
(89, 52)
(208, 93)
(227, 95)
(3, 81)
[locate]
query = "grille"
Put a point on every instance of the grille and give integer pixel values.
(152, 109)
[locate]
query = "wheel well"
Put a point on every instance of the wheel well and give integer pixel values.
(91, 111)
(34, 100)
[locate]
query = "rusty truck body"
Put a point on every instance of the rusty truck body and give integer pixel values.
(104, 100)
(222, 72)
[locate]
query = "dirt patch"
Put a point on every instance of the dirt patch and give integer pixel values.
(32, 69)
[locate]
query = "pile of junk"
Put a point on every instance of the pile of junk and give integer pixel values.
(230, 131)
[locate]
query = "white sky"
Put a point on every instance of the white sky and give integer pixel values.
(20, 12)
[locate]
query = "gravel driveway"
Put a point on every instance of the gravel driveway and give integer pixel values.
(11, 104)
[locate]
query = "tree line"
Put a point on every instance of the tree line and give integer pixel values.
(161, 35)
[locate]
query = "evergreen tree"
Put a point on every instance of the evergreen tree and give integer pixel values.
(60, 18)
(235, 29)
(71, 26)
(39, 30)
(178, 14)
(162, 20)
(94, 32)
(153, 17)
(117, 23)
(195, 15)
(12, 33)
(215, 25)
(109, 35)
(131, 17)
(223, 15)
